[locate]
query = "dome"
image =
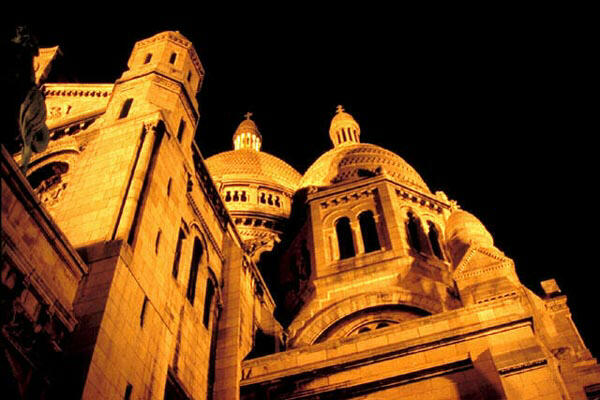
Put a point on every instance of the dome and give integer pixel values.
(350, 160)
(465, 227)
(247, 165)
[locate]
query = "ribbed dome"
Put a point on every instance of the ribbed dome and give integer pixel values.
(246, 164)
(346, 162)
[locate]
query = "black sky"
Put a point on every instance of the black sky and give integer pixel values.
(490, 106)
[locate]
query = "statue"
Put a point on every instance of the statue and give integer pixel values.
(26, 116)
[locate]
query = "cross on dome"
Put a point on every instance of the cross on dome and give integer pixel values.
(248, 115)
(339, 109)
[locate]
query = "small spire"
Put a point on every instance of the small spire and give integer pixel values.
(339, 109)
(248, 115)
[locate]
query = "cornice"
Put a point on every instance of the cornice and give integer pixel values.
(77, 90)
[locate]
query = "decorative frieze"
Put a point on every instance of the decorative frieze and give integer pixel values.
(420, 199)
(50, 90)
(348, 197)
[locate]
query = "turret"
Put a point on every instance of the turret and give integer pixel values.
(246, 135)
(344, 129)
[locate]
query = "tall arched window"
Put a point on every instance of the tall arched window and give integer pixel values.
(208, 299)
(344, 236)
(434, 239)
(180, 239)
(413, 230)
(368, 229)
(196, 256)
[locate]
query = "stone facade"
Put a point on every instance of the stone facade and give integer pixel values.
(133, 268)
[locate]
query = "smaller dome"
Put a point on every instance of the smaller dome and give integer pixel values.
(246, 135)
(344, 129)
(464, 229)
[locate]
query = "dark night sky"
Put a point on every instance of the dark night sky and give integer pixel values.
(492, 110)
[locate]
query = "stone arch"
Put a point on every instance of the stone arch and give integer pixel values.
(305, 331)
(370, 319)
(49, 175)
(66, 154)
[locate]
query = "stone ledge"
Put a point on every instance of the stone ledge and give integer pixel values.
(395, 346)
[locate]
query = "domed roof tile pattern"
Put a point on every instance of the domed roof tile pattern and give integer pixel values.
(347, 161)
(246, 164)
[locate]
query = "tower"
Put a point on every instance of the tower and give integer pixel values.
(124, 180)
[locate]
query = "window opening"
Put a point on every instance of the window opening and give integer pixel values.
(196, 255)
(180, 238)
(208, 298)
(125, 108)
(180, 130)
(128, 391)
(143, 312)
(344, 236)
(413, 232)
(172, 59)
(434, 239)
(368, 229)
(148, 58)
(157, 243)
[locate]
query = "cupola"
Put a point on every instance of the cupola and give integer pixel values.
(344, 129)
(246, 135)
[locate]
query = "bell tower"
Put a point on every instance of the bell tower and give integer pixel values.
(164, 73)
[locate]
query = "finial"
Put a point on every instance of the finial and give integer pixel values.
(339, 109)
(248, 115)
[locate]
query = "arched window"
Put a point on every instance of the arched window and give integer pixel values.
(368, 229)
(48, 176)
(344, 236)
(434, 239)
(413, 228)
(180, 238)
(208, 299)
(196, 256)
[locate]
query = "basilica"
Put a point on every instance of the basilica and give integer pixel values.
(135, 268)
